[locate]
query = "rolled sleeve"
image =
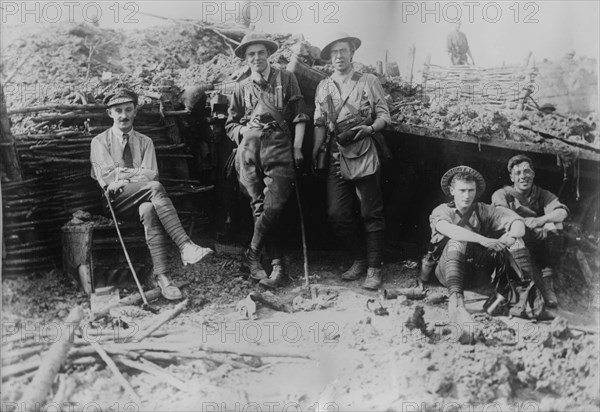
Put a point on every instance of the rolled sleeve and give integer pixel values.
(551, 202)
(501, 218)
(319, 118)
(296, 101)
(499, 198)
(441, 213)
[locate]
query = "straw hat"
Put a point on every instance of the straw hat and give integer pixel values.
(447, 179)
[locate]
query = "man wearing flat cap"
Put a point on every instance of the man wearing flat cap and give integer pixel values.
(350, 112)
(544, 214)
(124, 164)
(267, 122)
(469, 228)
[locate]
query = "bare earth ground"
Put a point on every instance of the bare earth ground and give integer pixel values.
(352, 358)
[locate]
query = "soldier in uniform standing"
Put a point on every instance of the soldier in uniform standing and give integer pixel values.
(458, 47)
(267, 122)
(351, 108)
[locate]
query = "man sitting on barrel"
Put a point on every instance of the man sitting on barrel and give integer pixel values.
(124, 164)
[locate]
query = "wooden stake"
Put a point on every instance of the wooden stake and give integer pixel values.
(43, 380)
(115, 370)
(161, 319)
(153, 369)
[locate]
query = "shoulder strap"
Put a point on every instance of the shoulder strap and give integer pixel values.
(356, 77)
(272, 110)
(439, 247)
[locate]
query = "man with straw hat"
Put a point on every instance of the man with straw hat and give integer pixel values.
(266, 111)
(350, 113)
(124, 164)
(468, 227)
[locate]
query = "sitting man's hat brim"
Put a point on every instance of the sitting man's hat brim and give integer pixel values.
(255, 38)
(447, 179)
(120, 96)
(337, 37)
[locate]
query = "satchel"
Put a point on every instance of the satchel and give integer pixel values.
(358, 159)
(515, 295)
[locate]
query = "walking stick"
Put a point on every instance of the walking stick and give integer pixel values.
(304, 249)
(145, 305)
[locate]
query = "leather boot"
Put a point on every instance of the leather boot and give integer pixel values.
(547, 289)
(167, 288)
(277, 278)
(356, 271)
(373, 280)
(460, 319)
(252, 261)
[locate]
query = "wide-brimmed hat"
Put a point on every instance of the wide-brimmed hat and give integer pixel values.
(120, 96)
(254, 38)
(447, 179)
(336, 37)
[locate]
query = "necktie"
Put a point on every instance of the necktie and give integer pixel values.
(127, 156)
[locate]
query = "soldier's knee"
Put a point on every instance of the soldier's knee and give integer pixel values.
(455, 249)
(147, 213)
(156, 187)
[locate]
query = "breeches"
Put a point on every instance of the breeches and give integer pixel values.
(158, 216)
(266, 175)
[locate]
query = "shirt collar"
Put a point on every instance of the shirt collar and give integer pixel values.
(257, 77)
(117, 132)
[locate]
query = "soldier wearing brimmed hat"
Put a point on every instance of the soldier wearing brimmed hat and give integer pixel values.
(543, 213)
(124, 164)
(350, 113)
(266, 111)
(469, 225)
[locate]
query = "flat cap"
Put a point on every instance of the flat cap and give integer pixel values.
(120, 96)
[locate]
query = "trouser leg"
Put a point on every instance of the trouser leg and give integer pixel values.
(452, 266)
(368, 190)
(156, 238)
(266, 174)
(134, 194)
(340, 213)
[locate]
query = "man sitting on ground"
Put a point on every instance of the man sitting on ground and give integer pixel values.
(471, 241)
(543, 214)
(124, 164)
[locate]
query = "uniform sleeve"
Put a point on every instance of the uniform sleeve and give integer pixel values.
(550, 202)
(149, 166)
(380, 106)
(440, 213)
(296, 101)
(499, 198)
(103, 166)
(320, 118)
(497, 218)
(236, 118)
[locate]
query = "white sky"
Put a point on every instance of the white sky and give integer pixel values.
(498, 31)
